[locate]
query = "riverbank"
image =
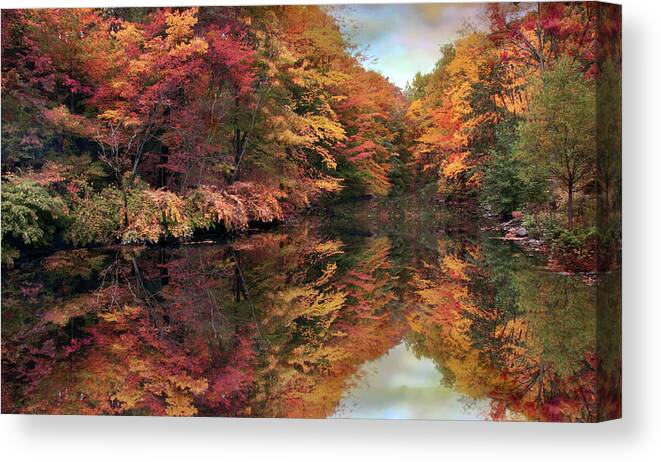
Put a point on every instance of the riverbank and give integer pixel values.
(39, 214)
(159, 218)
(152, 217)
(563, 260)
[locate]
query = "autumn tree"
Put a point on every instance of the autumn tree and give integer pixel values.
(444, 118)
(149, 75)
(46, 58)
(535, 34)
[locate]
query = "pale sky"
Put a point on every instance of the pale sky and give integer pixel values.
(406, 38)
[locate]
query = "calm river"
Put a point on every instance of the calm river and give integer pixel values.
(377, 311)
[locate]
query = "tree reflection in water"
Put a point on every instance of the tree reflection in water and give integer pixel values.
(288, 324)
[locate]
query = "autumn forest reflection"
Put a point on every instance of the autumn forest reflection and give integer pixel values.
(380, 311)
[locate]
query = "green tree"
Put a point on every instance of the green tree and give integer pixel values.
(29, 215)
(558, 136)
(416, 88)
(503, 188)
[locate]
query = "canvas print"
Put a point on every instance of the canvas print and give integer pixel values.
(390, 211)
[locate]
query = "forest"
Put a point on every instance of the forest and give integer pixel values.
(143, 125)
(222, 211)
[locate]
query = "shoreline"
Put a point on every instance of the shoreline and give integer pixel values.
(509, 231)
(221, 235)
(556, 261)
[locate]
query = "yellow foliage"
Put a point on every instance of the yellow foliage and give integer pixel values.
(186, 50)
(328, 248)
(455, 266)
(129, 398)
(128, 35)
(173, 210)
(121, 314)
(324, 304)
(180, 25)
(328, 273)
(455, 166)
(179, 404)
(187, 383)
(328, 184)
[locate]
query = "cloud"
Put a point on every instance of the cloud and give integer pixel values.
(405, 38)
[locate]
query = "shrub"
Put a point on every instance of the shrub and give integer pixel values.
(261, 203)
(574, 240)
(30, 216)
(209, 206)
(153, 215)
(542, 226)
(173, 214)
(96, 219)
(551, 228)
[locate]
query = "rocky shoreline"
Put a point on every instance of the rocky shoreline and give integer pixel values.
(563, 263)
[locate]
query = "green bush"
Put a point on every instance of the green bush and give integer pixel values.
(96, 219)
(502, 187)
(543, 226)
(551, 228)
(30, 216)
(574, 239)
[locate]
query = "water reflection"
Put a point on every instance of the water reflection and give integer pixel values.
(392, 311)
(400, 385)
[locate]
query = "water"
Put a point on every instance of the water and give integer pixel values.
(399, 385)
(379, 310)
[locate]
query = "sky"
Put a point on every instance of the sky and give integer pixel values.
(406, 38)
(399, 385)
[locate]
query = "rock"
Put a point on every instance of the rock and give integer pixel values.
(517, 215)
(512, 224)
(521, 232)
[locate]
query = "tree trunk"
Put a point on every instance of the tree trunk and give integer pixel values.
(125, 197)
(239, 146)
(163, 174)
(570, 206)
